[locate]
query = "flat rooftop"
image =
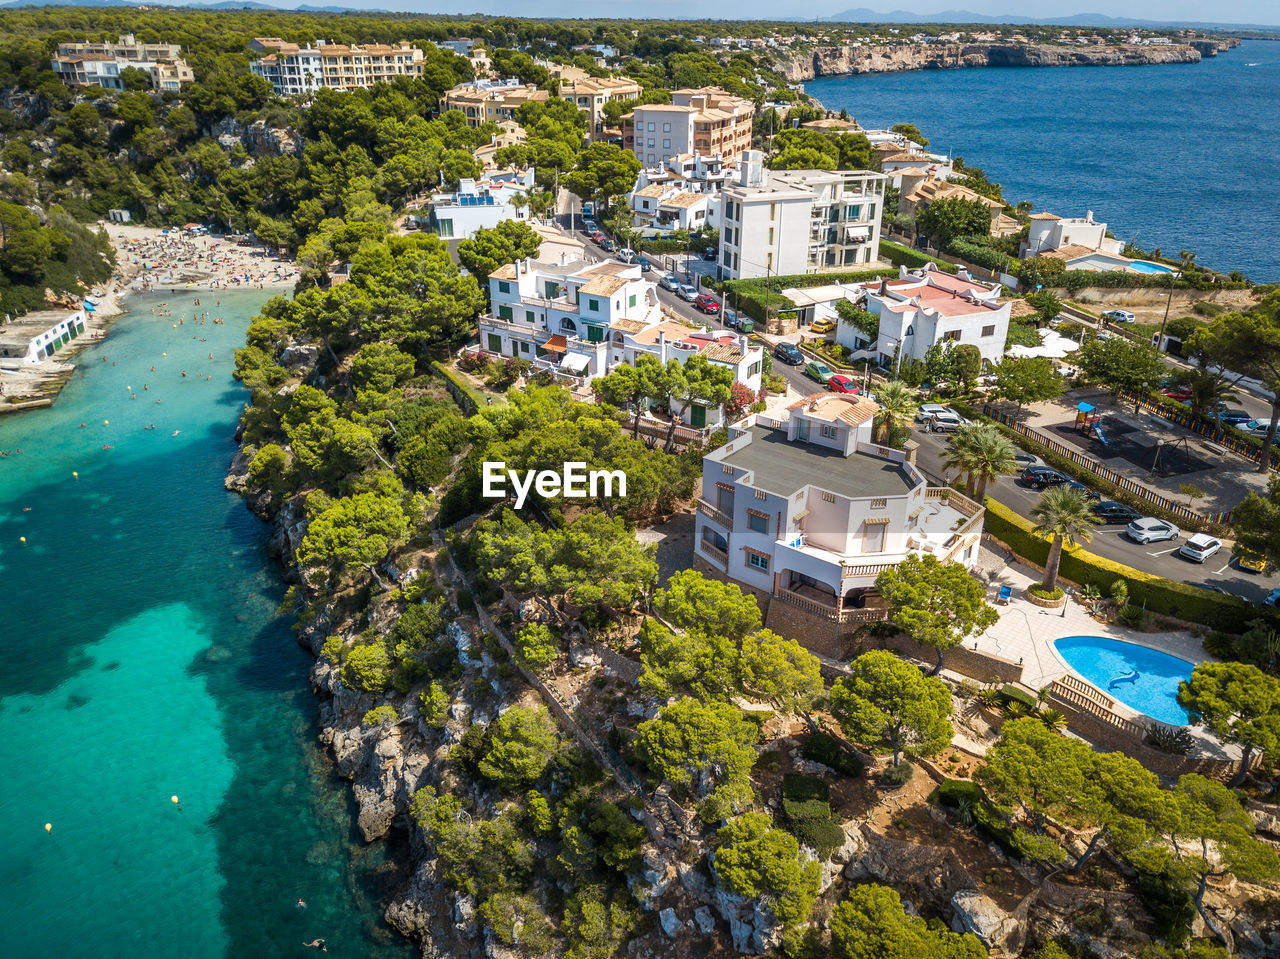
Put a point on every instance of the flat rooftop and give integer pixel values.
(783, 467)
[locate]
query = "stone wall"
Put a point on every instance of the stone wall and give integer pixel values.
(962, 659)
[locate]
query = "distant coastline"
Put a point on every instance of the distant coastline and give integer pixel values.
(847, 60)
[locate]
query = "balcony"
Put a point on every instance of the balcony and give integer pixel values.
(831, 609)
(713, 513)
(717, 556)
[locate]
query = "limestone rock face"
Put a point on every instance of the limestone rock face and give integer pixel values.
(898, 58)
(981, 916)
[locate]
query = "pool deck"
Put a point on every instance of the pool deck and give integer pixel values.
(1025, 634)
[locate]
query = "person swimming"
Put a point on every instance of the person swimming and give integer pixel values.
(317, 944)
(302, 904)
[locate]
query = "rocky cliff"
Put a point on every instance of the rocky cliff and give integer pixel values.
(898, 58)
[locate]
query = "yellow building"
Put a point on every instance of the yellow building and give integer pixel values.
(489, 101)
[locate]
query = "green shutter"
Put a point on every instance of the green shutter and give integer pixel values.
(595, 334)
(495, 343)
(504, 312)
(699, 415)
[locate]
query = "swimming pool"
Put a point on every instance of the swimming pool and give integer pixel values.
(1146, 266)
(1143, 679)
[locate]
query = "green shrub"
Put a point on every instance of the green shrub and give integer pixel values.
(381, 716)
(464, 394)
(1036, 589)
(332, 650)
(1166, 897)
(466, 601)
(800, 788)
(1012, 694)
(992, 825)
(898, 775)
(824, 748)
(951, 791)
(368, 669)
(900, 255)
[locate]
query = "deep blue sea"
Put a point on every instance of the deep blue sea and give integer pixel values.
(141, 658)
(1179, 155)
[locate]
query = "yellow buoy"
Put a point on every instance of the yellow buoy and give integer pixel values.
(174, 800)
(48, 827)
(164, 354)
(22, 539)
(75, 474)
(106, 422)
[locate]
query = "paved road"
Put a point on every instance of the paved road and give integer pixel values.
(1110, 541)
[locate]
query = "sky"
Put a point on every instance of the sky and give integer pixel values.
(1223, 11)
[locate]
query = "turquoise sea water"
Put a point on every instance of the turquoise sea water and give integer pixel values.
(1142, 678)
(140, 658)
(1177, 154)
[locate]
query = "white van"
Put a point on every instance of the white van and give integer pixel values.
(1118, 316)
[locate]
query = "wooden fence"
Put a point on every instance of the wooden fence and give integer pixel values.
(1091, 465)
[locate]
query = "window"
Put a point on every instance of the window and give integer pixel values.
(666, 128)
(989, 330)
(761, 494)
(829, 432)
(758, 562)
(444, 228)
(631, 300)
(528, 316)
(666, 144)
(650, 128)
(595, 334)
(757, 523)
(773, 211)
(504, 287)
(593, 305)
(828, 497)
(769, 264)
(873, 537)
(724, 500)
(753, 369)
(524, 347)
(951, 336)
(771, 236)
(504, 312)
(879, 503)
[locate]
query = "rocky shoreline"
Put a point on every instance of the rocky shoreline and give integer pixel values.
(838, 61)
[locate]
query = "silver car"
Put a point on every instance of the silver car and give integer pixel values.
(670, 282)
(1200, 547)
(1151, 530)
(687, 292)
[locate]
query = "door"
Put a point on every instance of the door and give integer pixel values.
(803, 434)
(495, 343)
(698, 415)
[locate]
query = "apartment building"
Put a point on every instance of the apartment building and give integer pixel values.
(805, 511)
(592, 93)
(798, 221)
(918, 310)
(932, 189)
(580, 319)
(490, 101)
(294, 70)
(683, 175)
(101, 63)
(706, 120)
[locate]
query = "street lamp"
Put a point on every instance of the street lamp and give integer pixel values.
(1156, 459)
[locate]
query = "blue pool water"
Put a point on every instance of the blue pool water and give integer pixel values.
(1146, 266)
(1153, 693)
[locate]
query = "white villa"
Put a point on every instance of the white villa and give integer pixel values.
(807, 511)
(580, 319)
(30, 341)
(1048, 231)
(481, 204)
(920, 309)
(665, 196)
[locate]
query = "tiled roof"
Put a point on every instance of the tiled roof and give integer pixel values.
(505, 272)
(604, 285)
(684, 200)
(835, 406)
(1068, 252)
(628, 326)
(1045, 215)
(653, 190)
(723, 352)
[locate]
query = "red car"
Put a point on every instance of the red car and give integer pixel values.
(839, 383)
(1177, 393)
(706, 304)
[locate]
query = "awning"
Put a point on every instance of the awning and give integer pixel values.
(1084, 408)
(557, 344)
(576, 362)
(858, 233)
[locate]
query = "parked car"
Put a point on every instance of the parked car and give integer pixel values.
(1179, 393)
(1253, 428)
(670, 282)
(1042, 477)
(1109, 511)
(926, 412)
(687, 293)
(1118, 316)
(1151, 530)
(1273, 597)
(1252, 562)
(608, 245)
(1235, 417)
(627, 256)
(705, 303)
(788, 353)
(645, 265)
(839, 383)
(1025, 459)
(822, 325)
(1200, 547)
(1083, 490)
(588, 225)
(709, 254)
(819, 371)
(729, 318)
(597, 236)
(947, 422)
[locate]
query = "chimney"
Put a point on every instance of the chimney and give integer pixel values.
(1088, 216)
(884, 285)
(909, 450)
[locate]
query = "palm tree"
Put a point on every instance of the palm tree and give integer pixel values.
(897, 406)
(1064, 515)
(541, 202)
(983, 454)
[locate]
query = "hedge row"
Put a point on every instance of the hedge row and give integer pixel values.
(900, 255)
(1073, 469)
(666, 246)
(983, 256)
(1155, 593)
(1074, 281)
(464, 394)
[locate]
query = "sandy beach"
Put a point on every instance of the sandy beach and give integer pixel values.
(148, 260)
